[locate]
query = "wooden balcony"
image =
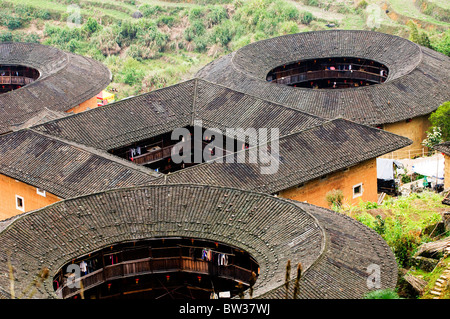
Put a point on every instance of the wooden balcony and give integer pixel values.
(16, 80)
(330, 74)
(150, 265)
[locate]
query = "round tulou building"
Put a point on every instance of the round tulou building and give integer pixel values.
(92, 205)
(368, 77)
(189, 241)
(39, 83)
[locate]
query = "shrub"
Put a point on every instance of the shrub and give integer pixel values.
(149, 11)
(129, 30)
(13, 22)
(403, 246)
(6, 37)
(223, 33)
(196, 29)
(166, 20)
(43, 14)
(91, 26)
(441, 118)
(382, 294)
(216, 15)
(334, 197)
(434, 137)
(73, 45)
(196, 14)
(442, 43)
(132, 76)
(379, 226)
(313, 3)
(306, 17)
(362, 4)
(289, 27)
(424, 40)
(201, 43)
(366, 219)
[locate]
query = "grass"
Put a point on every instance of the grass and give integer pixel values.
(431, 278)
(181, 51)
(403, 222)
(407, 8)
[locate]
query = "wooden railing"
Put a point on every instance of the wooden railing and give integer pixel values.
(153, 156)
(165, 152)
(327, 74)
(409, 153)
(153, 265)
(19, 80)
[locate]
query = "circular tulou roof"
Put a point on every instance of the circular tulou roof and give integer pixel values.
(335, 250)
(418, 80)
(65, 81)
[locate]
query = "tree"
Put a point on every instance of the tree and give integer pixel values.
(433, 138)
(441, 119)
(414, 33)
(91, 26)
(424, 40)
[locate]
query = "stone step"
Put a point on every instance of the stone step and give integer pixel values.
(435, 292)
(440, 280)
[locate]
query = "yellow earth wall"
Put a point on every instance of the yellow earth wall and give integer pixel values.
(91, 104)
(315, 191)
(9, 188)
(446, 171)
(415, 130)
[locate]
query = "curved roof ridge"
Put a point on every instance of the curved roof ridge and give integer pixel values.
(65, 80)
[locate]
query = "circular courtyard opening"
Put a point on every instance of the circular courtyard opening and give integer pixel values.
(13, 77)
(158, 268)
(329, 73)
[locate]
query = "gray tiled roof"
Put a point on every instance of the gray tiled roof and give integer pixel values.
(63, 168)
(65, 81)
(443, 147)
(353, 252)
(305, 155)
(309, 146)
(334, 258)
(418, 81)
(161, 111)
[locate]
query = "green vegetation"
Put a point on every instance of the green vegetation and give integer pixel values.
(334, 198)
(434, 137)
(405, 223)
(402, 221)
(382, 294)
(441, 119)
(150, 44)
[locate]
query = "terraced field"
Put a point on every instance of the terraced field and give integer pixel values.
(172, 39)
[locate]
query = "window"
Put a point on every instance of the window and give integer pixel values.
(20, 204)
(40, 192)
(357, 190)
